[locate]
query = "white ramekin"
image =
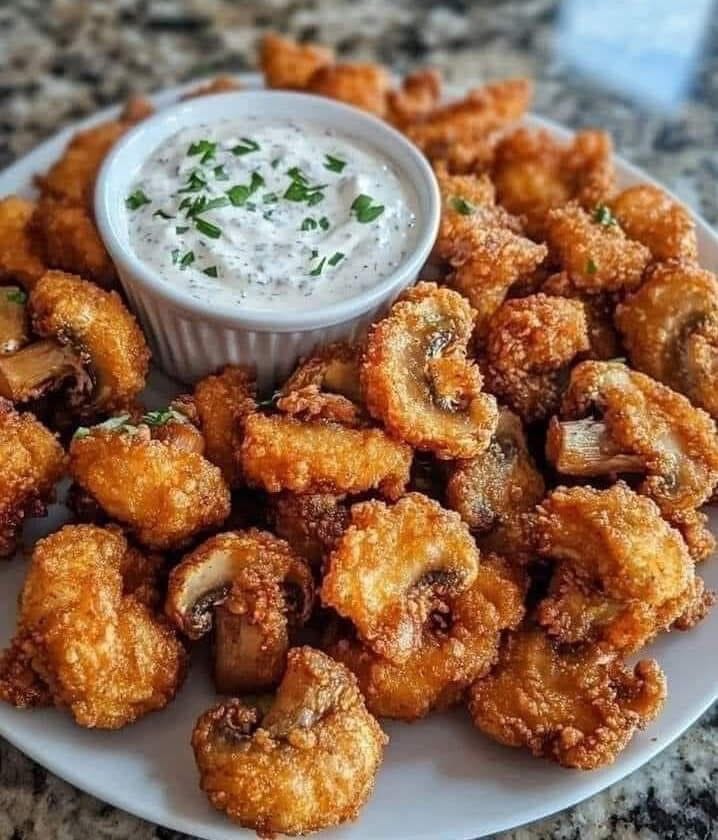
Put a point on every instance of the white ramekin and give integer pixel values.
(190, 338)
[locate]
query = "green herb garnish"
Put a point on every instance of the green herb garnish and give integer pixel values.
(591, 267)
(275, 163)
(162, 214)
(211, 271)
(207, 228)
(245, 146)
(602, 215)
(365, 209)
(181, 228)
(205, 148)
(136, 199)
(318, 270)
(308, 224)
(81, 432)
(195, 183)
(461, 205)
(270, 198)
(201, 204)
(239, 193)
(220, 173)
(300, 190)
(324, 223)
(337, 258)
(175, 255)
(334, 164)
(16, 296)
(162, 416)
(187, 259)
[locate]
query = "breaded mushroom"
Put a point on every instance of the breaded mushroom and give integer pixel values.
(579, 707)
(362, 85)
(280, 452)
(530, 347)
(288, 64)
(311, 522)
(20, 257)
(459, 644)
(87, 633)
(31, 462)
(307, 764)
(164, 493)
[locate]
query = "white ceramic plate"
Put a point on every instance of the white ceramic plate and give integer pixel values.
(440, 777)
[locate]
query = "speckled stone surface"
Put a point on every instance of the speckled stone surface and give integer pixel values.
(62, 60)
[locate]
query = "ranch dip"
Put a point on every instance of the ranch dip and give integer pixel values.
(279, 217)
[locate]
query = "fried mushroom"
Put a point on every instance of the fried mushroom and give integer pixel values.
(288, 64)
(494, 491)
(417, 380)
(280, 452)
(311, 523)
(308, 763)
(362, 85)
(531, 344)
(90, 337)
(32, 462)
(579, 707)
(20, 259)
(87, 633)
(255, 591)
(459, 645)
(392, 567)
(670, 328)
(616, 420)
(164, 493)
(623, 575)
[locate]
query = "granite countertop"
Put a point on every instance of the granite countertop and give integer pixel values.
(62, 60)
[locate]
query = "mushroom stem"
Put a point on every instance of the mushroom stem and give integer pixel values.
(585, 447)
(35, 369)
(14, 331)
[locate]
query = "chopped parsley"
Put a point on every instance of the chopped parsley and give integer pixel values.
(245, 147)
(337, 258)
(220, 173)
(308, 224)
(334, 164)
(365, 209)
(201, 204)
(175, 255)
(187, 259)
(602, 215)
(162, 416)
(181, 228)
(239, 193)
(136, 200)
(591, 267)
(275, 163)
(318, 270)
(162, 214)
(210, 271)
(301, 190)
(461, 205)
(206, 149)
(16, 296)
(207, 228)
(195, 183)
(324, 223)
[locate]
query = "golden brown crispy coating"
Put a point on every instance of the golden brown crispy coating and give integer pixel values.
(493, 491)
(255, 591)
(665, 227)
(530, 346)
(596, 257)
(311, 403)
(102, 332)
(459, 644)
(625, 422)
(393, 565)
(220, 84)
(98, 647)
(364, 86)
(334, 369)
(463, 132)
(32, 461)
(20, 259)
(598, 308)
(310, 523)
(282, 453)
(624, 575)
(165, 494)
(670, 328)
(219, 405)
(534, 172)
(288, 64)
(68, 239)
(309, 763)
(417, 380)
(482, 244)
(419, 94)
(577, 707)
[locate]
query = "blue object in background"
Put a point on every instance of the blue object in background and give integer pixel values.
(646, 49)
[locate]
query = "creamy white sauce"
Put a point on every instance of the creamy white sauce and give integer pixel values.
(291, 216)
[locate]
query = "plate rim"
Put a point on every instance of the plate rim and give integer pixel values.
(21, 169)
